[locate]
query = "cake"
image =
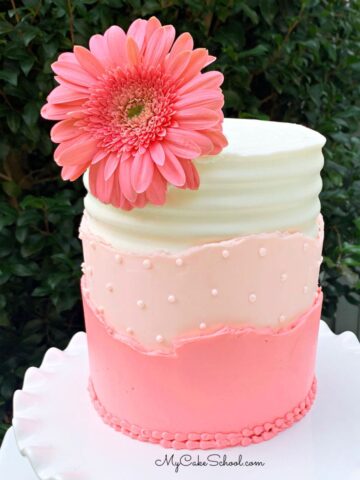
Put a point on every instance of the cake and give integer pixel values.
(201, 302)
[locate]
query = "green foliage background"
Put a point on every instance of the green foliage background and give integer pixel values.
(288, 60)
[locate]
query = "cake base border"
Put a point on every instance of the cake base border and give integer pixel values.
(207, 441)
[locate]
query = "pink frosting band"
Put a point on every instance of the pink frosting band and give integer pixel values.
(205, 441)
(211, 385)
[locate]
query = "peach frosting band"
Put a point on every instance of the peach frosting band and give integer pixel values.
(160, 297)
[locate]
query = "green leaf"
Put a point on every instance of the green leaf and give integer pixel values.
(28, 33)
(27, 64)
(13, 120)
(8, 215)
(268, 10)
(4, 319)
(41, 292)
(25, 270)
(249, 12)
(11, 188)
(5, 27)
(254, 52)
(31, 113)
(10, 76)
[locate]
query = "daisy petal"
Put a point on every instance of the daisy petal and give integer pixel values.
(199, 59)
(219, 141)
(175, 65)
(81, 152)
(140, 201)
(137, 31)
(110, 165)
(212, 99)
(64, 130)
(142, 170)
(202, 140)
(62, 94)
(197, 118)
(104, 188)
(207, 80)
(93, 176)
(73, 73)
(67, 57)
(132, 49)
(98, 47)
(117, 198)
(125, 181)
(152, 25)
(52, 111)
(159, 45)
(100, 155)
(116, 41)
(157, 153)
(183, 149)
(62, 147)
(72, 172)
(192, 175)
(88, 61)
(172, 170)
(72, 86)
(125, 156)
(156, 193)
(183, 42)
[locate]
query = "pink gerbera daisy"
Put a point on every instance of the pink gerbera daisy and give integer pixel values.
(136, 110)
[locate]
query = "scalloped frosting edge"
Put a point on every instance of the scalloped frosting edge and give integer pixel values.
(206, 441)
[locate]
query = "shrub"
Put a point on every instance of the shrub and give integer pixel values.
(283, 60)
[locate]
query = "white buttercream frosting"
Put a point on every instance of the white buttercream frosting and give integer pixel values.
(267, 179)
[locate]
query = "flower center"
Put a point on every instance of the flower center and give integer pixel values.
(128, 110)
(134, 110)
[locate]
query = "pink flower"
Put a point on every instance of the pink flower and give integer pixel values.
(136, 110)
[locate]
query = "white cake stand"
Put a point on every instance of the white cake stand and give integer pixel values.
(58, 430)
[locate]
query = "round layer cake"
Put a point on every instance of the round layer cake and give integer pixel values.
(202, 314)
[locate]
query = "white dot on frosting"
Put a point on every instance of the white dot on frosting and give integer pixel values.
(118, 258)
(225, 253)
(262, 251)
(202, 325)
(252, 298)
(306, 247)
(159, 338)
(93, 244)
(171, 299)
(214, 292)
(147, 263)
(179, 262)
(109, 287)
(306, 289)
(283, 277)
(282, 318)
(129, 330)
(140, 304)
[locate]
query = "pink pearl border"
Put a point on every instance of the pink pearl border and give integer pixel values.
(205, 441)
